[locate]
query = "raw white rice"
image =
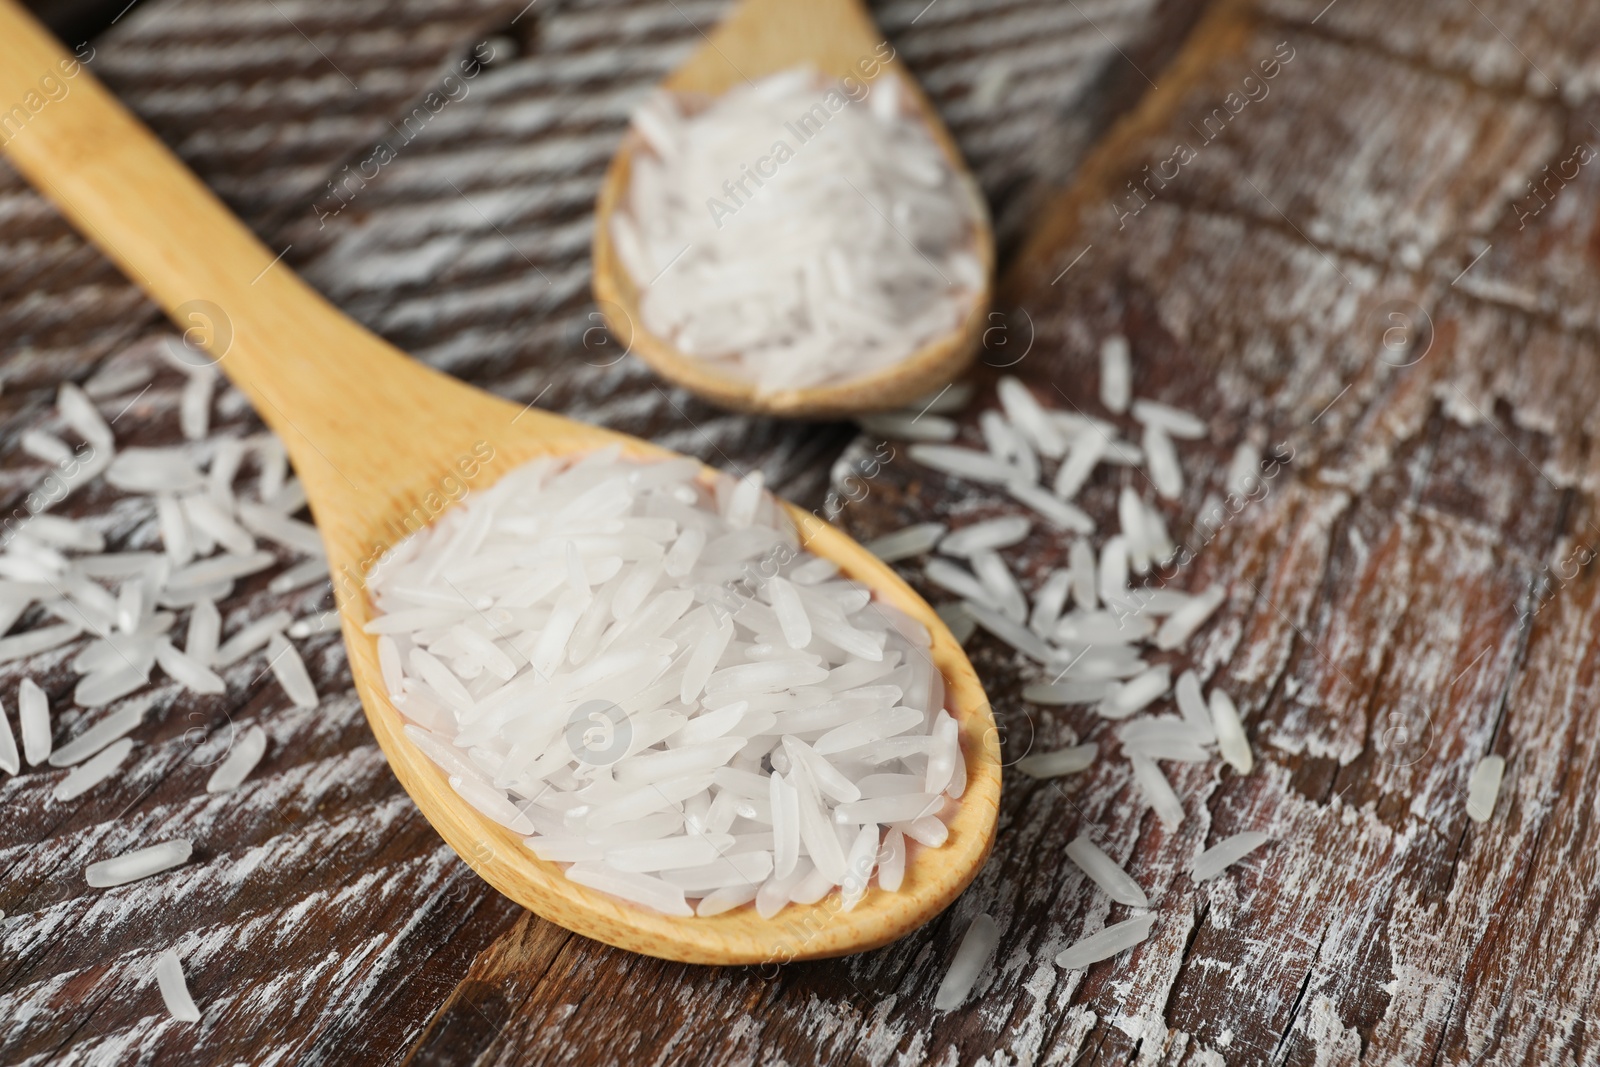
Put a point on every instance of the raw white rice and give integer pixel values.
(1077, 691)
(963, 463)
(46, 446)
(174, 988)
(1166, 738)
(290, 671)
(194, 409)
(1225, 853)
(242, 757)
(66, 533)
(61, 563)
(1113, 572)
(1064, 761)
(1182, 624)
(1137, 693)
(977, 945)
(1030, 418)
(988, 535)
(34, 642)
(1081, 565)
(104, 686)
(141, 863)
(1244, 471)
(958, 580)
(1106, 873)
(892, 861)
(9, 759)
(267, 522)
(1131, 518)
(79, 412)
(1008, 445)
(112, 727)
(1108, 627)
(274, 463)
(1116, 373)
(116, 377)
(33, 711)
(908, 427)
(1192, 706)
(725, 899)
(1175, 422)
(1232, 745)
(1059, 512)
(581, 691)
(154, 470)
(1115, 938)
(226, 457)
(1088, 622)
(1158, 543)
(1161, 462)
(1122, 453)
(1009, 630)
(1483, 788)
(1049, 602)
(1085, 453)
(904, 544)
(187, 671)
(1157, 790)
(1000, 584)
(728, 276)
(300, 575)
(93, 771)
(252, 637)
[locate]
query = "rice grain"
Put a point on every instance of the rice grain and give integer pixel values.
(1116, 938)
(977, 945)
(1106, 873)
(174, 988)
(1225, 853)
(1483, 788)
(141, 863)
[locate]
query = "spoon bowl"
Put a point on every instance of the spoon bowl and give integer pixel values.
(383, 446)
(758, 38)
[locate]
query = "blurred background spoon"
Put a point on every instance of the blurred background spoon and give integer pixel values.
(756, 39)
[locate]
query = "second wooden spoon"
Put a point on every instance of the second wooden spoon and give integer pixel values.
(758, 38)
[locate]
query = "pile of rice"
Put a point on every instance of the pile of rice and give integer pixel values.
(651, 679)
(797, 231)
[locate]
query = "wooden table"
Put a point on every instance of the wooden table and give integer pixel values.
(1408, 596)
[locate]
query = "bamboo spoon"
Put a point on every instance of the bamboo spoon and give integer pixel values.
(377, 438)
(758, 38)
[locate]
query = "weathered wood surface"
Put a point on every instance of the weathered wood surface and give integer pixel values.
(1408, 597)
(1372, 634)
(322, 920)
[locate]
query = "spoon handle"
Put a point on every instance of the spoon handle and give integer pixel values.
(126, 192)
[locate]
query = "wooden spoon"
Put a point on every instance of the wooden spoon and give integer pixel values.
(383, 444)
(761, 37)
